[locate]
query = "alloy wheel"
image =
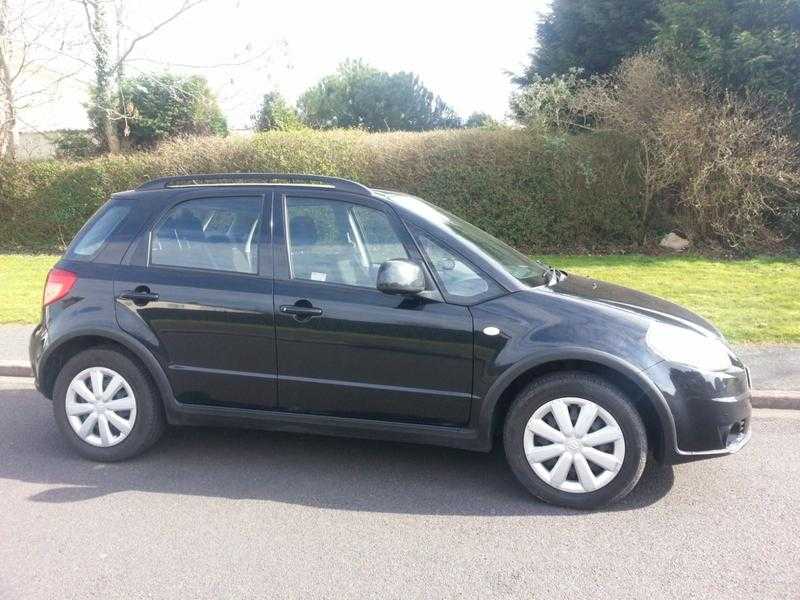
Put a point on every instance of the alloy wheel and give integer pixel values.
(100, 406)
(574, 445)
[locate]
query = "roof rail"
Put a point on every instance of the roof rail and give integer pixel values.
(222, 178)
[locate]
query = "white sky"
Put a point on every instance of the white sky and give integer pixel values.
(461, 50)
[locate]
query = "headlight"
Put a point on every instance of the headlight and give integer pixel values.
(687, 347)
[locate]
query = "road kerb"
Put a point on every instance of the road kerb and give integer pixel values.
(15, 368)
(776, 399)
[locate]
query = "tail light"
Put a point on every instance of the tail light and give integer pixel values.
(59, 283)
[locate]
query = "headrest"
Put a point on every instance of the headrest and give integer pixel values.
(303, 230)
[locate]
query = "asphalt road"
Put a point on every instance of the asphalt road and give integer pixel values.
(224, 514)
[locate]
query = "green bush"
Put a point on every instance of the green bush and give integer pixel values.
(76, 144)
(163, 106)
(541, 193)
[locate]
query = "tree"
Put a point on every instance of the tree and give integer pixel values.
(480, 119)
(592, 35)
(743, 45)
(158, 107)
(104, 110)
(276, 113)
(358, 95)
(8, 114)
(33, 36)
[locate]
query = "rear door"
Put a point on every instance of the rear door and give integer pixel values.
(347, 349)
(198, 293)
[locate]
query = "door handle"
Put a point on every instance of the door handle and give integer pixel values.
(301, 311)
(140, 296)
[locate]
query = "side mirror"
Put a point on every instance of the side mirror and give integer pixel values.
(401, 276)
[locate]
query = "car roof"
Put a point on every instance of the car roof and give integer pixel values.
(261, 179)
(410, 206)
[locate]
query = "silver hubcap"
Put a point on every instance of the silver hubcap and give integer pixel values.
(574, 445)
(101, 407)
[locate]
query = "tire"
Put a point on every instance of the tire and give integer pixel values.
(575, 390)
(146, 417)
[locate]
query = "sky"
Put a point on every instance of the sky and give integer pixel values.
(462, 51)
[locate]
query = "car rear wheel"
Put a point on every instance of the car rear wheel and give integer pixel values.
(106, 406)
(575, 440)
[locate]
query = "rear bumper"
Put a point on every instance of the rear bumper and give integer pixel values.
(36, 348)
(711, 410)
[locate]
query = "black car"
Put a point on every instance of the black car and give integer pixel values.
(315, 304)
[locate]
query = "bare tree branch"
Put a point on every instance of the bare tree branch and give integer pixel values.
(224, 65)
(90, 20)
(187, 5)
(51, 85)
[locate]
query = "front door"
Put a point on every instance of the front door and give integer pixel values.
(346, 349)
(201, 299)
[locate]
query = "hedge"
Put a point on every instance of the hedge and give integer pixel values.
(539, 193)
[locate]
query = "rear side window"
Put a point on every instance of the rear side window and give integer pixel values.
(89, 242)
(217, 234)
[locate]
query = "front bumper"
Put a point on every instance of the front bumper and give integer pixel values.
(711, 410)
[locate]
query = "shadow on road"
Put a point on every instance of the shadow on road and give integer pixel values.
(324, 472)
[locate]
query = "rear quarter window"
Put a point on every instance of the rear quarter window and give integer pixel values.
(96, 232)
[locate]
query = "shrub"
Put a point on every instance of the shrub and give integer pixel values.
(75, 144)
(540, 193)
(276, 113)
(720, 166)
(715, 172)
(162, 106)
(548, 102)
(480, 119)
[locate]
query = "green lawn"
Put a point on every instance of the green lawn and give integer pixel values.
(754, 300)
(21, 284)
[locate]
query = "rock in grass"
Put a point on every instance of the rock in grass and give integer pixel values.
(674, 242)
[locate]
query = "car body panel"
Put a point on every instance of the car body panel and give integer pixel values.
(213, 332)
(370, 354)
(633, 301)
(374, 355)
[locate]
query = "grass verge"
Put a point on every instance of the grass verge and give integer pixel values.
(751, 301)
(21, 284)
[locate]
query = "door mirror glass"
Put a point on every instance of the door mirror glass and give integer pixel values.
(399, 276)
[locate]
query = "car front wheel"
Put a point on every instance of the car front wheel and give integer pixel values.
(574, 440)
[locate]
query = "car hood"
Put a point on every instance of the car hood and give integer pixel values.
(630, 300)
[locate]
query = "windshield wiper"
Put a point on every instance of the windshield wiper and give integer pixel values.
(551, 275)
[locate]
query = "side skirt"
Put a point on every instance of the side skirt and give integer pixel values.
(274, 420)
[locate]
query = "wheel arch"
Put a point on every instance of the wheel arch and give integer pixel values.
(71, 345)
(645, 397)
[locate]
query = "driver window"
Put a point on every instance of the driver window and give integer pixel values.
(456, 275)
(338, 242)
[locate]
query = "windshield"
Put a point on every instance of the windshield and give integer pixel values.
(521, 267)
